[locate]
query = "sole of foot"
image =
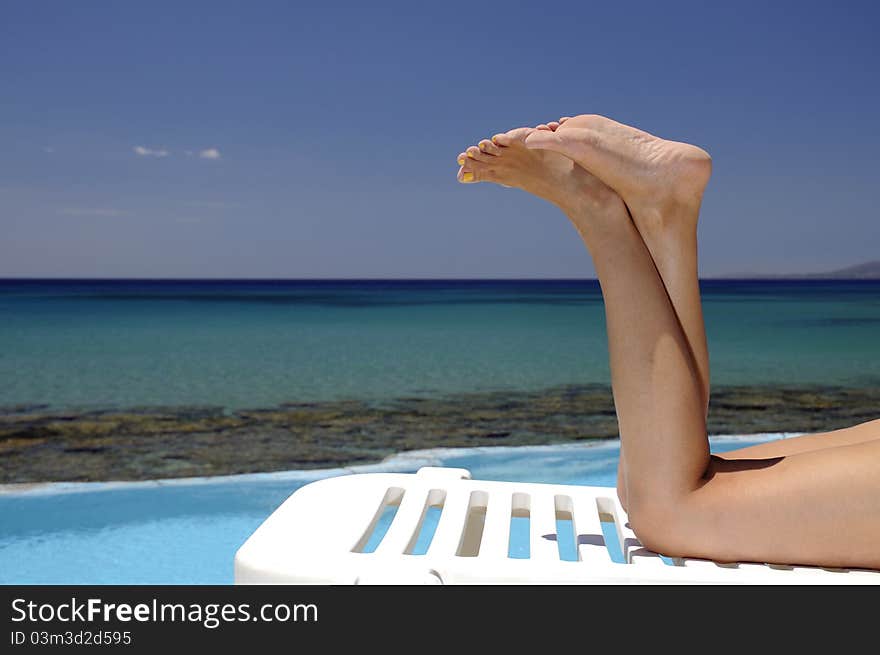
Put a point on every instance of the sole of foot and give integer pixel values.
(661, 181)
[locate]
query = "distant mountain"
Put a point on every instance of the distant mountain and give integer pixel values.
(866, 271)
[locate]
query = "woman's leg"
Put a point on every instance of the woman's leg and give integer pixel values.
(675, 254)
(672, 244)
(818, 507)
(657, 386)
(673, 247)
(867, 431)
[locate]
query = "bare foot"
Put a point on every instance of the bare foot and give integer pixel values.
(506, 160)
(551, 126)
(661, 181)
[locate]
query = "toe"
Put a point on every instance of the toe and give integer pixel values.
(501, 140)
(513, 137)
(475, 153)
(543, 140)
(461, 159)
(543, 126)
(576, 143)
(480, 170)
(473, 170)
(553, 125)
(488, 147)
(517, 136)
(563, 119)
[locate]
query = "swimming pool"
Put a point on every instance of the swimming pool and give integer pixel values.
(187, 531)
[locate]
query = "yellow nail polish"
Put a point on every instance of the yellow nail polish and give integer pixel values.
(460, 161)
(467, 177)
(481, 146)
(471, 155)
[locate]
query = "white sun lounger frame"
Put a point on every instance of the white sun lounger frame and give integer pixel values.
(316, 535)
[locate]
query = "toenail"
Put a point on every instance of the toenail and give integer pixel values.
(467, 177)
(460, 161)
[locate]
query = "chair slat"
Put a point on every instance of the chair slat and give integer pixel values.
(542, 515)
(496, 531)
(701, 564)
(405, 522)
(451, 524)
(588, 531)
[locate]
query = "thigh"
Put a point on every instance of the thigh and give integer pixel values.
(819, 507)
(807, 442)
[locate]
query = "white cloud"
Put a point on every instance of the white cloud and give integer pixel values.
(48, 149)
(207, 153)
(149, 152)
(92, 211)
(212, 204)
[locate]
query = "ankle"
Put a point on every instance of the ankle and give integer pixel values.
(601, 204)
(667, 223)
(602, 215)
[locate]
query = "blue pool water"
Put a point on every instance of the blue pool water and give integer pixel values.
(187, 531)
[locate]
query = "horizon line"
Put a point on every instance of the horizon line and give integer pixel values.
(766, 277)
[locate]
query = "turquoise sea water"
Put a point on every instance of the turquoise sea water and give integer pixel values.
(257, 344)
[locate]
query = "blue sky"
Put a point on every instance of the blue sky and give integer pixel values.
(286, 139)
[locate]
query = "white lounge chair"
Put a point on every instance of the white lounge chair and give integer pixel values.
(326, 533)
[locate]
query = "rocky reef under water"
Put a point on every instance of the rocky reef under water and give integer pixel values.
(39, 443)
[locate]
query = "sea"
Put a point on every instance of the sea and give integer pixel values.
(257, 343)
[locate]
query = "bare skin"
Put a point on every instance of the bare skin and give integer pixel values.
(670, 174)
(507, 161)
(676, 258)
(856, 434)
(817, 507)
(675, 253)
(672, 244)
(662, 183)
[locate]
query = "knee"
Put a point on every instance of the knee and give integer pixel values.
(621, 495)
(657, 524)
